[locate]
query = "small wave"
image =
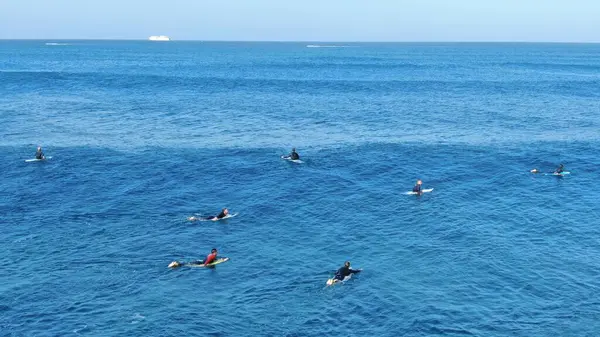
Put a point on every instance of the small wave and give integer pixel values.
(57, 44)
(76, 331)
(137, 318)
(327, 46)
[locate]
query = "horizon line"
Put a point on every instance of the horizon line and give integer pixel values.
(297, 41)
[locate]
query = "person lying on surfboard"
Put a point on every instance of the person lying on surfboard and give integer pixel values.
(293, 155)
(224, 213)
(560, 169)
(39, 154)
(345, 271)
(417, 189)
(210, 258)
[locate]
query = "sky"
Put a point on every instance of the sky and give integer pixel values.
(304, 20)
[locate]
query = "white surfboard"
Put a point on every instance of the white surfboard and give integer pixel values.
(333, 281)
(564, 173)
(200, 218)
(297, 161)
(427, 190)
(35, 159)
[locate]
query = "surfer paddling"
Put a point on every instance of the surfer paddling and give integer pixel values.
(560, 170)
(222, 215)
(210, 258)
(342, 273)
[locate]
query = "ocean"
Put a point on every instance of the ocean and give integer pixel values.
(143, 135)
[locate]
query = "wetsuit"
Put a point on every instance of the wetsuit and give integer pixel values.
(417, 188)
(294, 155)
(220, 216)
(344, 272)
(212, 257)
(559, 170)
(39, 154)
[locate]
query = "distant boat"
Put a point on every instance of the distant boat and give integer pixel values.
(159, 38)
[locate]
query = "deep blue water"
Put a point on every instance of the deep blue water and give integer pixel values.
(144, 134)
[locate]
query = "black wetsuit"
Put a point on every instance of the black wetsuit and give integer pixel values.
(294, 155)
(417, 188)
(39, 155)
(344, 272)
(220, 216)
(559, 170)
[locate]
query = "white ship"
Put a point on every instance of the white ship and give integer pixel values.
(159, 38)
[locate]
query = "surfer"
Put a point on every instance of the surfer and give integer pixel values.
(293, 155)
(417, 189)
(39, 154)
(560, 169)
(223, 214)
(345, 271)
(210, 258)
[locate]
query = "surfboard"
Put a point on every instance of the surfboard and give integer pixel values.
(177, 264)
(297, 161)
(558, 174)
(35, 159)
(333, 281)
(427, 190)
(228, 216)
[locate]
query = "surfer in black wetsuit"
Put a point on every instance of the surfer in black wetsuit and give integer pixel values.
(220, 216)
(417, 189)
(39, 154)
(223, 214)
(345, 271)
(292, 156)
(560, 169)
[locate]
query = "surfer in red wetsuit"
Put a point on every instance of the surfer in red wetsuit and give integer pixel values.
(210, 258)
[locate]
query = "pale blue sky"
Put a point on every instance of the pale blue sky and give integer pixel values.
(304, 20)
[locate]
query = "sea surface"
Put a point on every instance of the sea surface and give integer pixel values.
(143, 135)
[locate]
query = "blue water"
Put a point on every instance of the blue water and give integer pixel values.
(144, 134)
